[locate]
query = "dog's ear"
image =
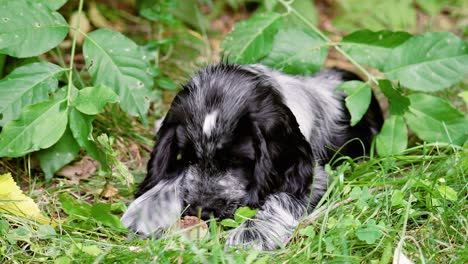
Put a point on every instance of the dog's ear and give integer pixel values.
(163, 157)
(284, 158)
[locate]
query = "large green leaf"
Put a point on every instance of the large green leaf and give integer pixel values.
(252, 39)
(429, 62)
(373, 48)
(434, 119)
(26, 85)
(81, 127)
(91, 100)
(59, 155)
(375, 15)
(38, 127)
(306, 9)
(52, 4)
(297, 52)
(358, 99)
(393, 138)
(117, 62)
(29, 29)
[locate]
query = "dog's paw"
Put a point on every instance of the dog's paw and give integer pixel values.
(257, 235)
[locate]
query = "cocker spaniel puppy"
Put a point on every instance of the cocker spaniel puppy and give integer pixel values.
(246, 135)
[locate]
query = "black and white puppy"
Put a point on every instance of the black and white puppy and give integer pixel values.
(246, 135)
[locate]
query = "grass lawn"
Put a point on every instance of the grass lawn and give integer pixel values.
(410, 206)
(413, 205)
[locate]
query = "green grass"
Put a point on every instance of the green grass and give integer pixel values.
(418, 198)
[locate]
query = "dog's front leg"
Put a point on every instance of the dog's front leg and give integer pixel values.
(273, 224)
(155, 210)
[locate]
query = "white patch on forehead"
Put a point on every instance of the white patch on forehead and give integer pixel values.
(210, 122)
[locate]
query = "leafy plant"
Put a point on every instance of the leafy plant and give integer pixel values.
(410, 67)
(37, 115)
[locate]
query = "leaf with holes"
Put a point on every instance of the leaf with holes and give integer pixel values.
(372, 48)
(117, 62)
(297, 52)
(433, 119)
(252, 39)
(358, 99)
(29, 29)
(429, 62)
(59, 155)
(38, 127)
(393, 138)
(91, 100)
(26, 85)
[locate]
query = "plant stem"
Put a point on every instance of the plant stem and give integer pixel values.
(72, 55)
(369, 76)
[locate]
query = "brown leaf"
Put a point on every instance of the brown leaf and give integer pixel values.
(109, 191)
(79, 170)
(84, 26)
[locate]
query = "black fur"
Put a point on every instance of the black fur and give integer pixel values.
(246, 135)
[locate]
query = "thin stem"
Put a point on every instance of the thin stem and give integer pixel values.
(287, 5)
(72, 55)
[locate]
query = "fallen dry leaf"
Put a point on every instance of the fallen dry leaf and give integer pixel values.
(192, 227)
(84, 26)
(109, 191)
(79, 170)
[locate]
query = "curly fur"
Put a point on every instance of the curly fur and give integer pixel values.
(246, 135)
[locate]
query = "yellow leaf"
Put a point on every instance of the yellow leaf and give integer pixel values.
(14, 202)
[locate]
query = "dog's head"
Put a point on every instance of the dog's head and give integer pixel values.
(231, 141)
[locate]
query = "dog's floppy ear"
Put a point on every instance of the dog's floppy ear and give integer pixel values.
(284, 158)
(163, 157)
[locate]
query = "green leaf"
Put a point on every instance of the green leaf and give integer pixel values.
(369, 233)
(243, 213)
(59, 155)
(308, 231)
(372, 48)
(74, 207)
(26, 85)
(429, 62)
(397, 198)
(102, 213)
(91, 100)
(29, 29)
(447, 192)
(46, 232)
(251, 39)
(358, 99)
(393, 138)
(305, 8)
(464, 96)
(435, 120)
(166, 83)
(297, 52)
(399, 104)
(374, 15)
(432, 7)
(4, 227)
(38, 127)
(52, 4)
(81, 127)
(229, 223)
(117, 62)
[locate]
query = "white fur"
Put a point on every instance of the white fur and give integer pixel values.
(155, 210)
(272, 226)
(210, 122)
